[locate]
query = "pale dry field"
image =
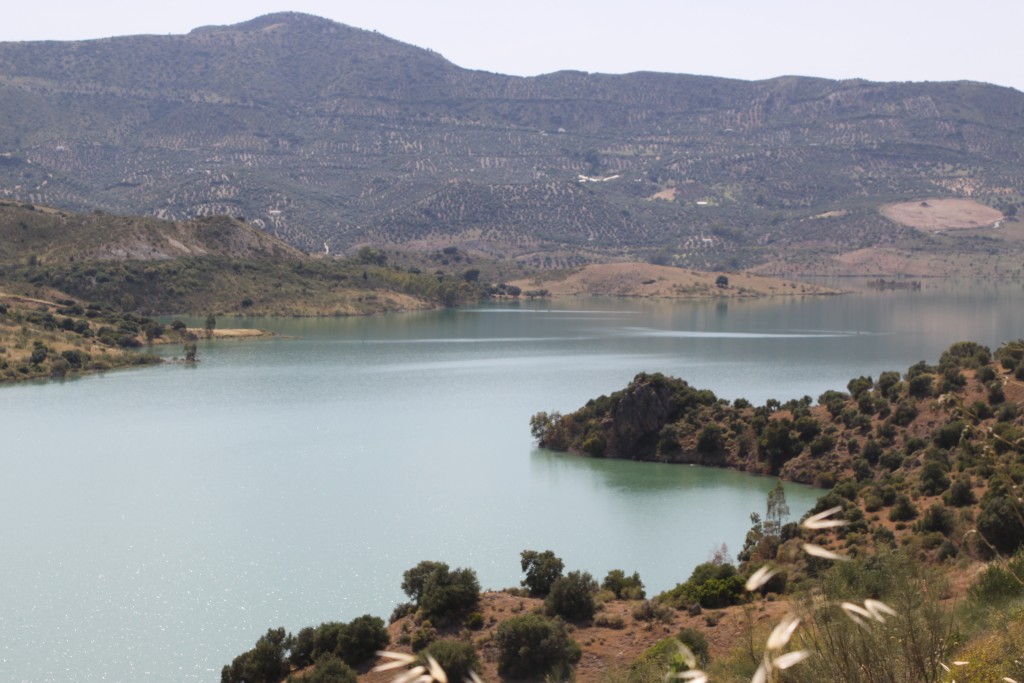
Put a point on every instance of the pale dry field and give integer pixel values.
(942, 214)
(664, 282)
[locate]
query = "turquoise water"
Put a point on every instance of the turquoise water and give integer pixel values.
(155, 522)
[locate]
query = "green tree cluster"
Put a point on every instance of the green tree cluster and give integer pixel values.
(441, 594)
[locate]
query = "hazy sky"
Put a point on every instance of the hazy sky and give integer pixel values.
(889, 40)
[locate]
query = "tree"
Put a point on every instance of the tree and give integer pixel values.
(542, 570)
(265, 663)
(722, 281)
(777, 512)
(441, 594)
(361, 638)
(778, 444)
(572, 597)
(369, 256)
(711, 439)
(38, 354)
(414, 579)
(532, 645)
(449, 595)
(211, 323)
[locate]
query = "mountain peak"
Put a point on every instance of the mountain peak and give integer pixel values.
(275, 20)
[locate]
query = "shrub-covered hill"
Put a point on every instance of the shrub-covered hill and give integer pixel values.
(936, 449)
(219, 264)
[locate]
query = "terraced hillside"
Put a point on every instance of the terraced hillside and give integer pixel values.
(329, 137)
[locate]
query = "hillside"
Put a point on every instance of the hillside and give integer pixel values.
(217, 264)
(50, 236)
(317, 132)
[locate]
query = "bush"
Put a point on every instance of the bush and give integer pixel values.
(999, 523)
(920, 386)
(532, 645)
(712, 584)
(612, 621)
(330, 669)
(354, 642)
(572, 597)
(933, 479)
(542, 569)
(960, 494)
(422, 637)
(650, 610)
(456, 657)
(903, 510)
(997, 585)
(698, 644)
(938, 518)
(362, 637)
(624, 587)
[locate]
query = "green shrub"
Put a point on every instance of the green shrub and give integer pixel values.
(329, 669)
(999, 522)
(997, 585)
(423, 636)
(903, 510)
(712, 585)
(362, 637)
(938, 519)
(572, 597)
(933, 479)
(624, 587)
(698, 644)
(532, 645)
(354, 642)
(960, 494)
(711, 439)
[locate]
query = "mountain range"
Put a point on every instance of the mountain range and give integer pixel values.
(330, 137)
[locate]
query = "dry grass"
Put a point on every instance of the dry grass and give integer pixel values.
(632, 279)
(942, 214)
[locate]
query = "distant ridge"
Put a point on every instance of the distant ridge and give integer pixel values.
(320, 132)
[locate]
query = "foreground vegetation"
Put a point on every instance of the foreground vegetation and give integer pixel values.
(910, 568)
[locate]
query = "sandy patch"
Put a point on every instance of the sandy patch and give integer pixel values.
(942, 214)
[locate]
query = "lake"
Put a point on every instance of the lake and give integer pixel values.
(155, 522)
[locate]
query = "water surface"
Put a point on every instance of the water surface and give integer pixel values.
(155, 522)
